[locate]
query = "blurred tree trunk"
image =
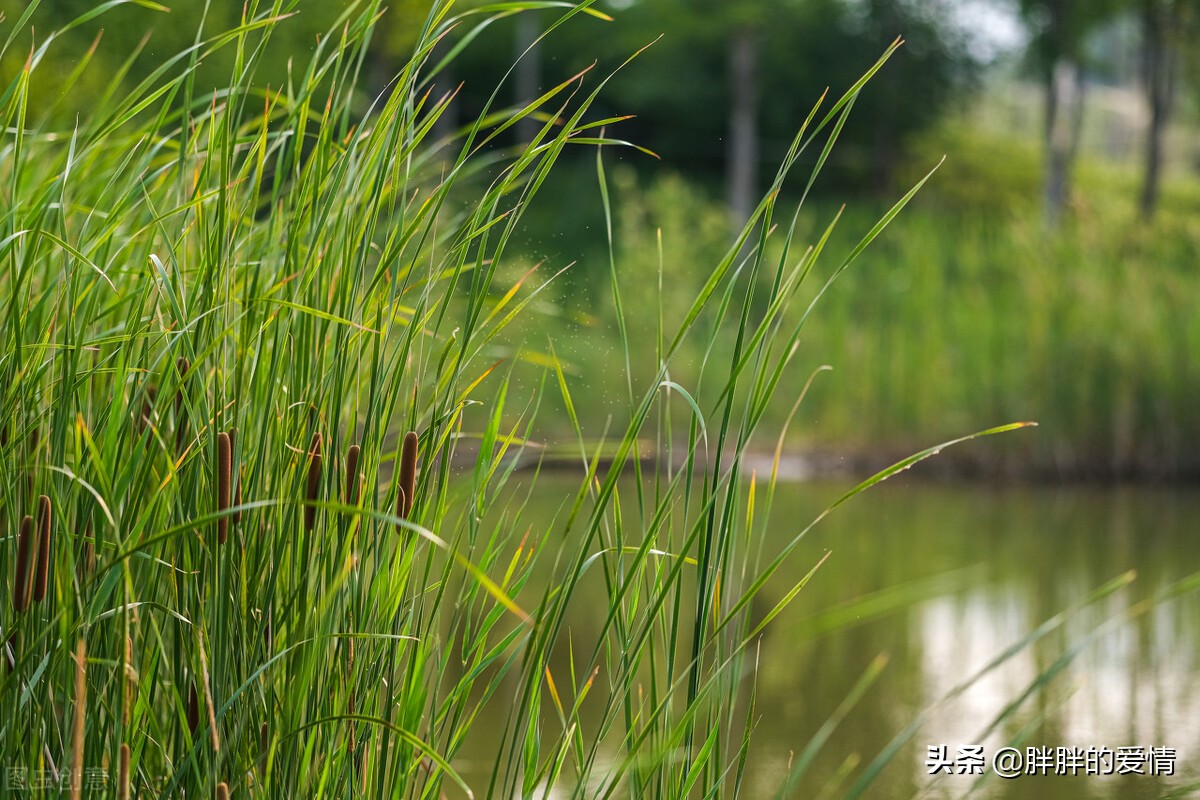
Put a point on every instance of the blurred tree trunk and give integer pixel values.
(1064, 121)
(1160, 19)
(1061, 29)
(528, 76)
(741, 153)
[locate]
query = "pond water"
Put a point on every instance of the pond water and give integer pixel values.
(942, 578)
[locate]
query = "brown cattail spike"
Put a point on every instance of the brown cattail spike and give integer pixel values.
(408, 471)
(193, 710)
(314, 482)
(24, 582)
(43, 565)
(400, 502)
(122, 774)
(224, 471)
(222, 791)
(352, 474)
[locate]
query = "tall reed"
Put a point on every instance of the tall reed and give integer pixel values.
(45, 515)
(23, 584)
(224, 473)
(236, 471)
(408, 475)
(182, 365)
(87, 552)
(312, 489)
(352, 476)
(77, 735)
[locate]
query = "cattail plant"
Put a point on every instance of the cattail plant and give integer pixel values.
(224, 473)
(123, 773)
(80, 712)
(314, 482)
(43, 564)
(400, 502)
(24, 583)
(205, 682)
(146, 415)
(181, 366)
(87, 553)
(130, 682)
(236, 472)
(352, 474)
(193, 709)
(350, 682)
(34, 441)
(408, 475)
(268, 634)
(222, 791)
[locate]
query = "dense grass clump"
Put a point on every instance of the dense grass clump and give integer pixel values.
(205, 290)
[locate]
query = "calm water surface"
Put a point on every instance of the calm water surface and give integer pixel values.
(942, 578)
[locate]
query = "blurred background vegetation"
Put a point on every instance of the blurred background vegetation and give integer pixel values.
(1048, 270)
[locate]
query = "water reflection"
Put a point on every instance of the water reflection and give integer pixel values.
(942, 579)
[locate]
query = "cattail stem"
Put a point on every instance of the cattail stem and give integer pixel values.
(313, 488)
(208, 700)
(235, 474)
(45, 515)
(87, 553)
(352, 474)
(350, 709)
(123, 773)
(24, 583)
(130, 683)
(149, 397)
(80, 714)
(408, 472)
(237, 497)
(224, 471)
(181, 366)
